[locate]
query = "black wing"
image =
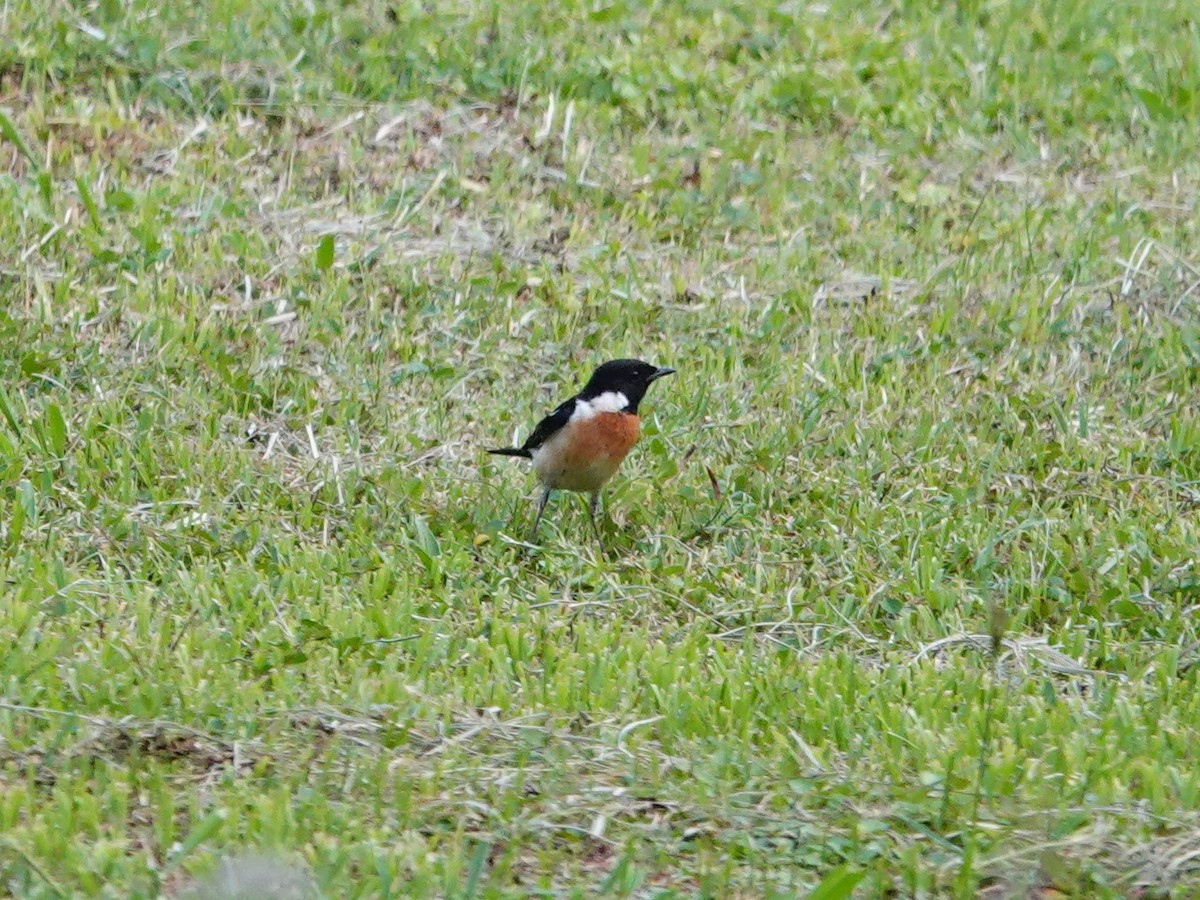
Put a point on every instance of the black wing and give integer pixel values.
(549, 425)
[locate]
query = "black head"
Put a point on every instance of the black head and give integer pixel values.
(630, 377)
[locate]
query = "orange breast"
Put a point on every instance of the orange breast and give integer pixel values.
(587, 452)
(607, 435)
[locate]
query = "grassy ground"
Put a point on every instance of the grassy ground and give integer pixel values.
(902, 577)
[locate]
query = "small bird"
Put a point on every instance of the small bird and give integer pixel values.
(579, 446)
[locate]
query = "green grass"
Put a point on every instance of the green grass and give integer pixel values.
(275, 274)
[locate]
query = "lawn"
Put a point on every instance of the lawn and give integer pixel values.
(900, 585)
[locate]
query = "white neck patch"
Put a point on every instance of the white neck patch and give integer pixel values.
(608, 402)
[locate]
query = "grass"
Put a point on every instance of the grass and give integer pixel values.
(276, 275)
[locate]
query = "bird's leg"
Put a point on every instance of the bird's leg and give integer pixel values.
(593, 504)
(541, 508)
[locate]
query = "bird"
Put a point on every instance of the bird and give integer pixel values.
(580, 445)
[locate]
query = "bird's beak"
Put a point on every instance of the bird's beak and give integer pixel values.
(659, 373)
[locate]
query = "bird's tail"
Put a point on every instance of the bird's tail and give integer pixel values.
(512, 451)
